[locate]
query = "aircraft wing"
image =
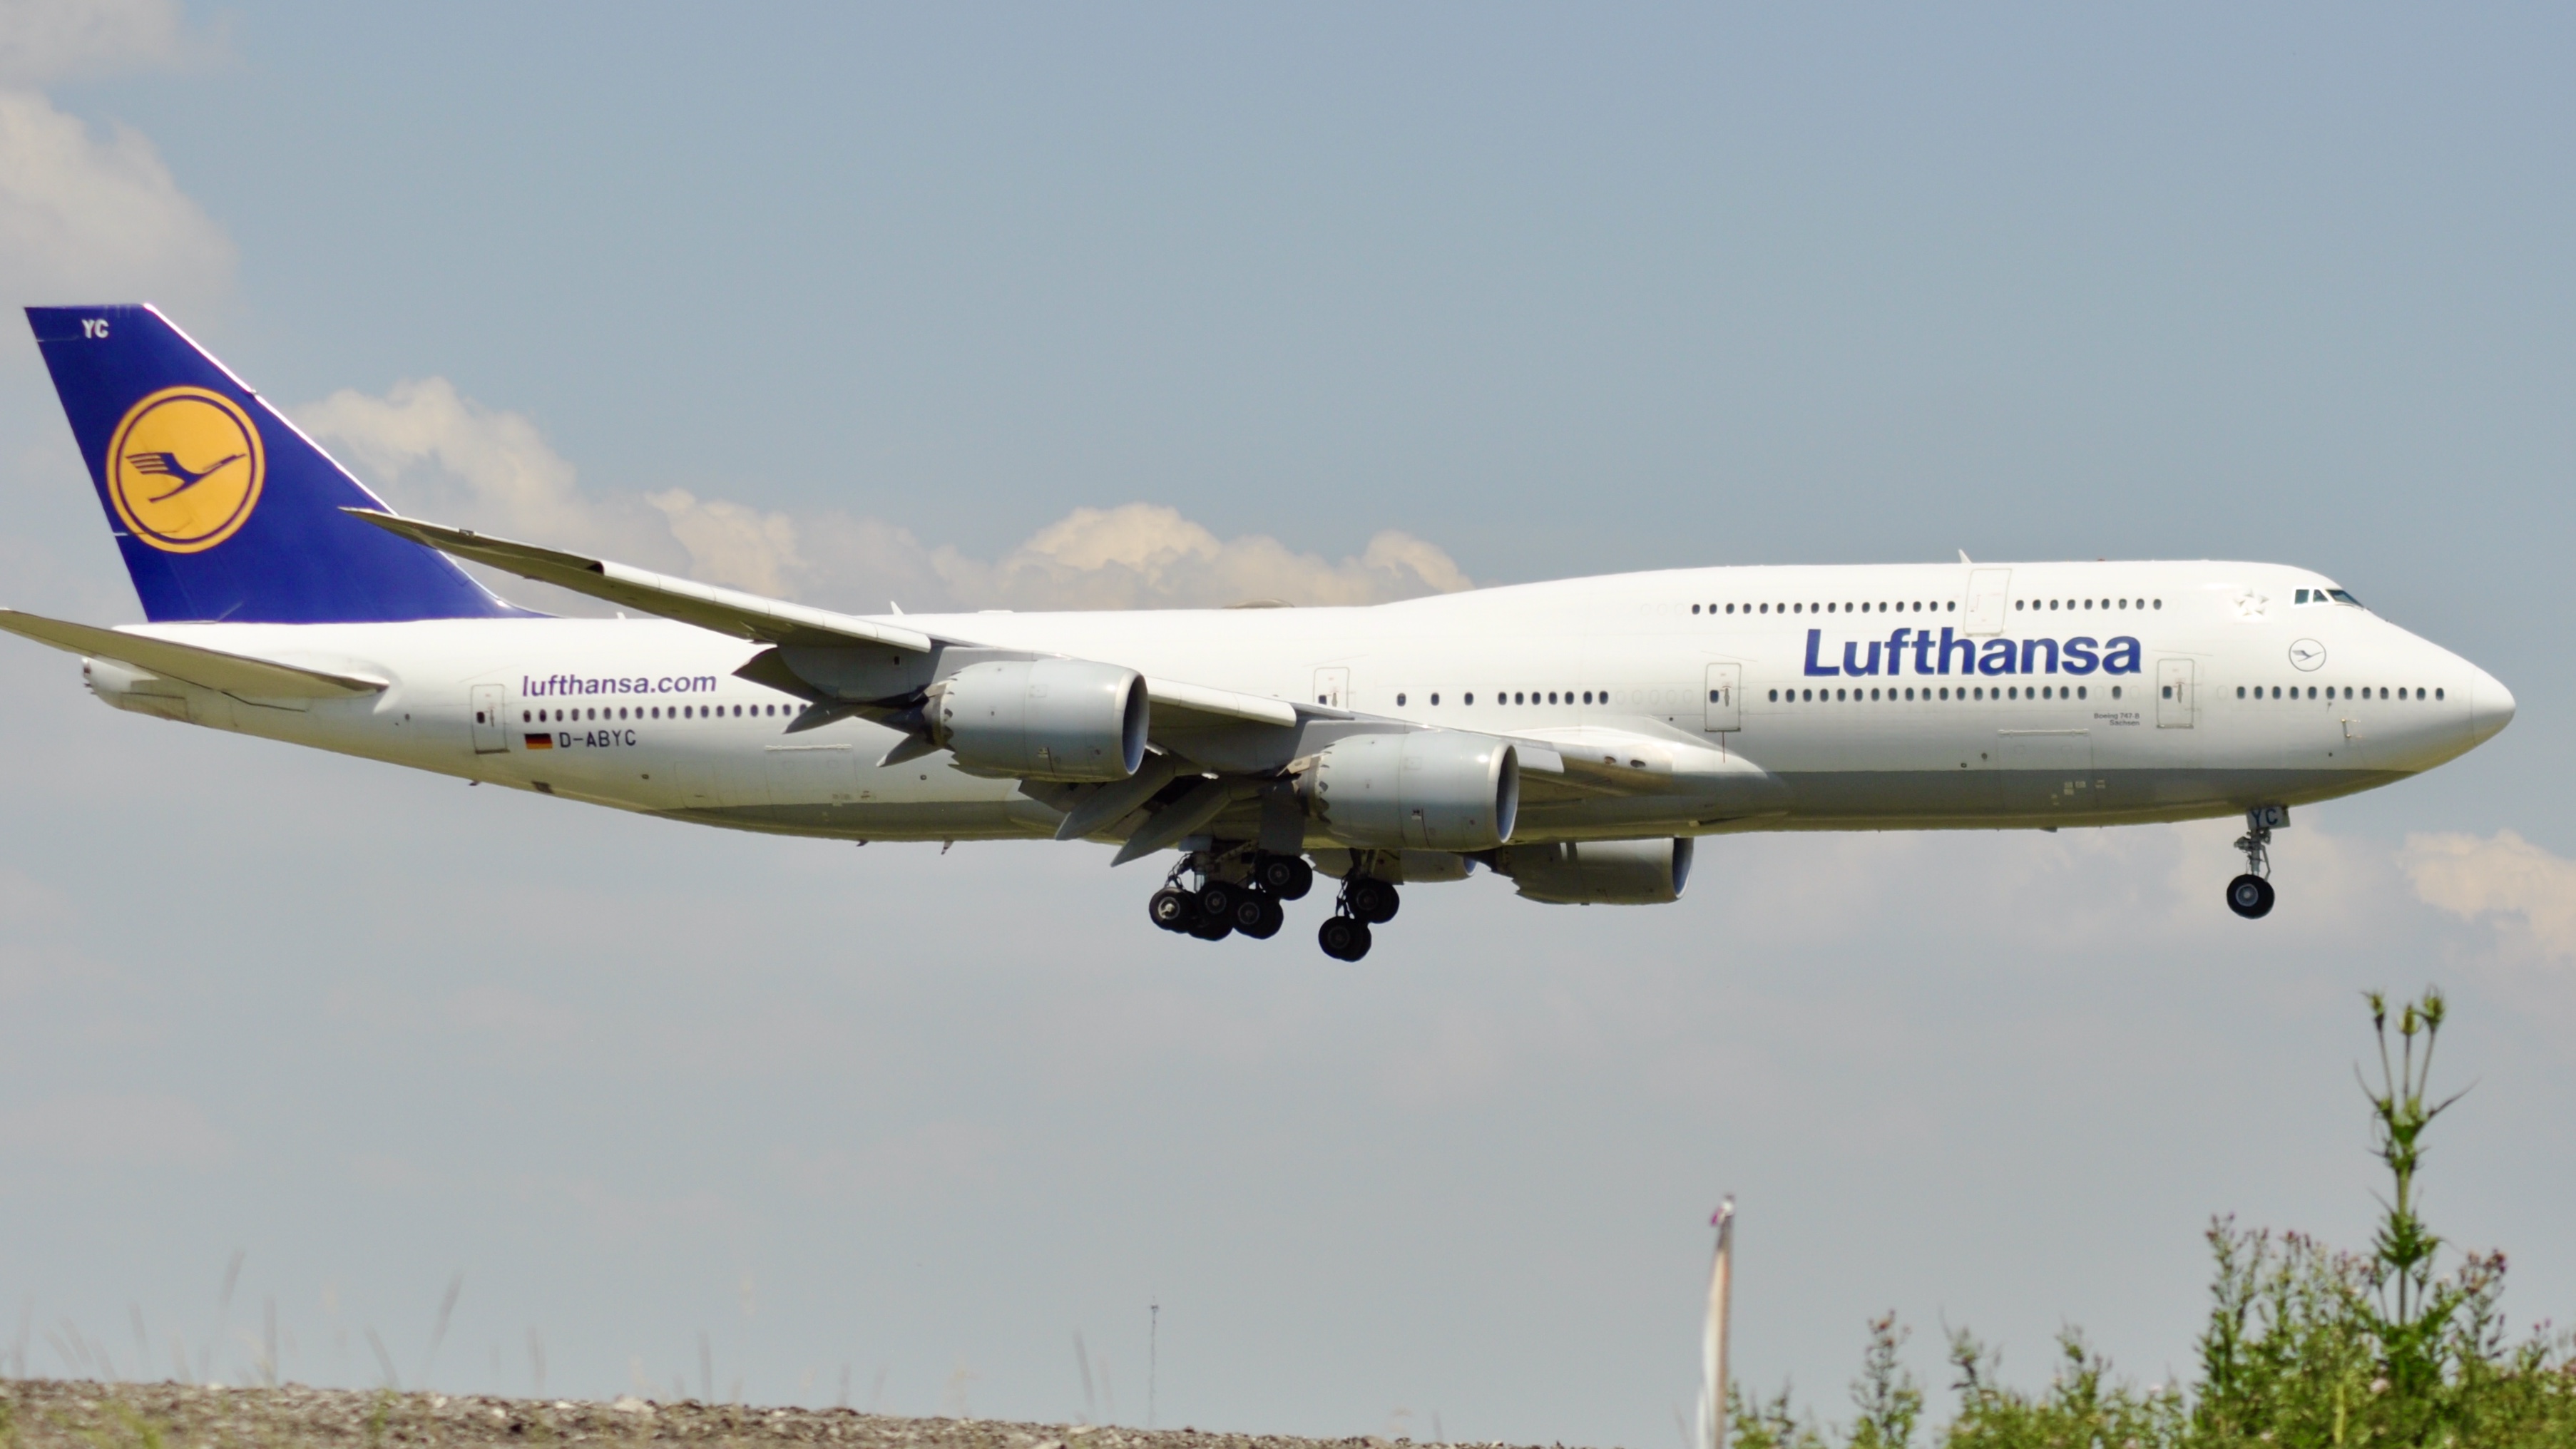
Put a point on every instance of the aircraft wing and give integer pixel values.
(234, 674)
(726, 611)
(771, 621)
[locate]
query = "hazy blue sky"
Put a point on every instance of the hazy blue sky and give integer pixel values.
(1353, 301)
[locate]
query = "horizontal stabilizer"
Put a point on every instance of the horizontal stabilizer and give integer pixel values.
(726, 611)
(234, 674)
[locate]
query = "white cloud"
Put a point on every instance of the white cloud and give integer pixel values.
(45, 40)
(86, 216)
(2505, 876)
(438, 454)
(730, 543)
(1145, 555)
(479, 467)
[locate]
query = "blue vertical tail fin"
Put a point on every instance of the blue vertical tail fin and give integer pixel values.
(223, 510)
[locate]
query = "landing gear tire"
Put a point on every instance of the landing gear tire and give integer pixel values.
(1173, 908)
(1284, 876)
(1259, 916)
(1344, 938)
(1217, 900)
(2250, 894)
(1212, 928)
(1372, 900)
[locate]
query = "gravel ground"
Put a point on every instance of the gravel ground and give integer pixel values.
(72, 1414)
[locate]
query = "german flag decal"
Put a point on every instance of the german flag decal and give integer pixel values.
(541, 742)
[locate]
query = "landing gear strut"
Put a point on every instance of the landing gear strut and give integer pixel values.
(2250, 895)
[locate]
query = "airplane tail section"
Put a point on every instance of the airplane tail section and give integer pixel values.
(222, 509)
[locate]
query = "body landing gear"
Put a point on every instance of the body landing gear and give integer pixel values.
(1232, 896)
(2251, 895)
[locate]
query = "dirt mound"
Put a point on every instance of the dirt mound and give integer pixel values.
(74, 1414)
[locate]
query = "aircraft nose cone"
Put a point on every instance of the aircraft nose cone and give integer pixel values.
(2490, 707)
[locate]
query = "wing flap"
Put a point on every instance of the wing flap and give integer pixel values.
(234, 674)
(1225, 703)
(726, 611)
(1619, 762)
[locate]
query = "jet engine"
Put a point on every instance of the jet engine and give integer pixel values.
(1613, 872)
(1423, 790)
(1042, 719)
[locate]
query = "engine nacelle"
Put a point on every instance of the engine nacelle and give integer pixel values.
(1426, 790)
(1612, 872)
(1043, 719)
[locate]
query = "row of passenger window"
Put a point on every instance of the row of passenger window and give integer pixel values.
(1936, 606)
(1523, 696)
(2010, 691)
(2330, 693)
(677, 711)
(1918, 606)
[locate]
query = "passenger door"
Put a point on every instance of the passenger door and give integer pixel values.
(491, 737)
(1989, 596)
(2173, 694)
(1725, 712)
(1333, 688)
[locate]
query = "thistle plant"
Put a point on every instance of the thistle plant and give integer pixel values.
(2414, 1309)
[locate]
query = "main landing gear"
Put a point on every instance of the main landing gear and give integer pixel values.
(1366, 901)
(2250, 895)
(1237, 891)
(1244, 891)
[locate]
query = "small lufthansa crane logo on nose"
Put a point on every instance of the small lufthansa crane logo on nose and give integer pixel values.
(2307, 654)
(184, 469)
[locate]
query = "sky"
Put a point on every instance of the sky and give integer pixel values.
(1162, 305)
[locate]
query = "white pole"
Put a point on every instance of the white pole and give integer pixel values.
(1712, 1393)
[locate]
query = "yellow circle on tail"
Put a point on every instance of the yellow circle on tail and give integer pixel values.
(184, 469)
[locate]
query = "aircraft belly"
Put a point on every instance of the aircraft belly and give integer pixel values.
(1990, 799)
(918, 820)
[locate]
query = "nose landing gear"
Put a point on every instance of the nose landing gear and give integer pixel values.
(2251, 895)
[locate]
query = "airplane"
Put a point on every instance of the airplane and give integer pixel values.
(1576, 737)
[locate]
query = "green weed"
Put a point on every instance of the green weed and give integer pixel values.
(2305, 1345)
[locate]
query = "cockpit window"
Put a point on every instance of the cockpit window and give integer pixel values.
(2342, 597)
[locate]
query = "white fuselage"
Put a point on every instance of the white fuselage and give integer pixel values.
(2229, 695)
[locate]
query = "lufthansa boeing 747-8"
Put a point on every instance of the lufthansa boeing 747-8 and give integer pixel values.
(1576, 737)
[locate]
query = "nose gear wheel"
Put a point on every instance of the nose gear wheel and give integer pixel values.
(2251, 895)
